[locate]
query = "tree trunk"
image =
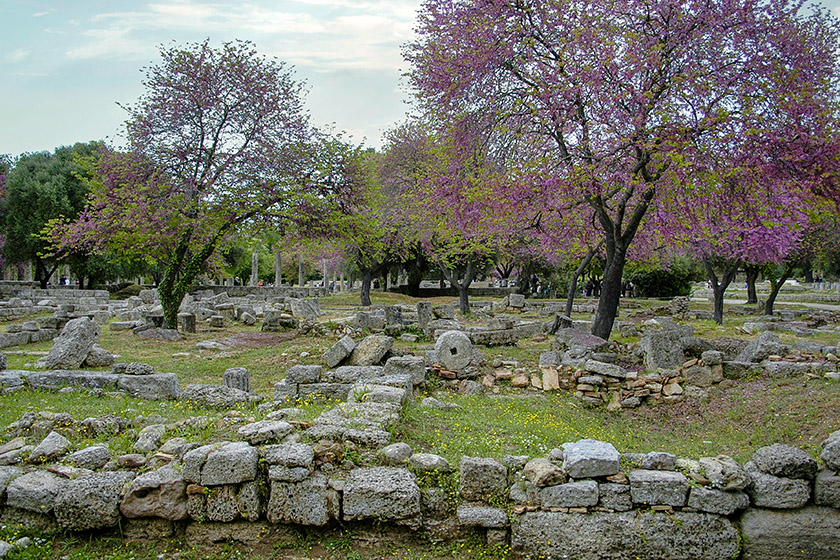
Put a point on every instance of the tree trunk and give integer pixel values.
(255, 269)
(463, 286)
(570, 298)
(719, 287)
(610, 296)
(752, 275)
(367, 276)
(809, 273)
(415, 277)
(775, 288)
(278, 269)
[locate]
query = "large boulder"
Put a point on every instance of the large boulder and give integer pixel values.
(72, 346)
(91, 502)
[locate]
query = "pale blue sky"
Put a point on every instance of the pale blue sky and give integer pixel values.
(66, 63)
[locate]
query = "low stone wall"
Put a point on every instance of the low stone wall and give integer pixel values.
(584, 500)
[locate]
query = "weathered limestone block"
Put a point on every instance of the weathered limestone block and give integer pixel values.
(216, 396)
(827, 489)
(93, 457)
(482, 478)
(161, 493)
(304, 503)
(51, 447)
(157, 386)
(91, 502)
(381, 493)
(589, 458)
(812, 532)
(265, 431)
(428, 462)
(542, 472)
(304, 374)
(785, 461)
(776, 492)
(187, 322)
(339, 351)
(658, 487)
(230, 464)
(624, 536)
(149, 438)
(72, 346)
(481, 516)
(767, 344)
(831, 454)
(34, 491)
(413, 366)
(724, 472)
(717, 501)
(583, 493)
(237, 378)
(370, 350)
(614, 496)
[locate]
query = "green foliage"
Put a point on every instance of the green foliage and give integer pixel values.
(43, 187)
(673, 279)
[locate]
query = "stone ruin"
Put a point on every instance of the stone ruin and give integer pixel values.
(583, 499)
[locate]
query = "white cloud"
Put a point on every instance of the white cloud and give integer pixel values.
(324, 34)
(16, 55)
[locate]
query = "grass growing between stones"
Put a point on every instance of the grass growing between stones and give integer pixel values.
(735, 420)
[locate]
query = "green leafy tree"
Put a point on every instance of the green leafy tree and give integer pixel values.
(40, 188)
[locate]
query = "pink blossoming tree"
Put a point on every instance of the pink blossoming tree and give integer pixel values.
(625, 98)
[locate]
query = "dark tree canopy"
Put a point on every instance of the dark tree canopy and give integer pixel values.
(39, 188)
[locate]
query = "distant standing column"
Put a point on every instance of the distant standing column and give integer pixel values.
(300, 271)
(255, 269)
(278, 275)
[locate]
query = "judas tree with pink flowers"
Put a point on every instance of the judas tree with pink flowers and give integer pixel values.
(219, 139)
(626, 98)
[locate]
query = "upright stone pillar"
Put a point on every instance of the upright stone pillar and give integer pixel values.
(237, 378)
(186, 322)
(424, 314)
(278, 273)
(300, 272)
(255, 269)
